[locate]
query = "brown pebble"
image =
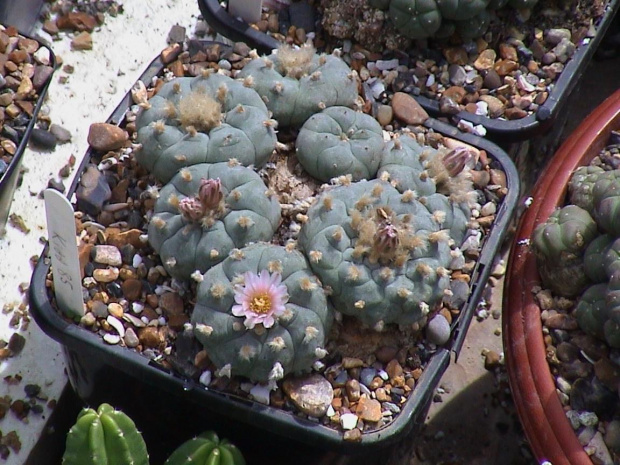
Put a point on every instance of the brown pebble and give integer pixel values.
(561, 321)
(491, 360)
(132, 288)
(171, 303)
(104, 137)
(82, 41)
(151, 338)
(407, 109)
(351, 362)
(353, 435)
(352, 388)
(369, 410)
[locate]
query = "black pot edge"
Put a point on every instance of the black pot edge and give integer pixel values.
(280, 422)
(8, 181)
(500, 130)
(22, 14)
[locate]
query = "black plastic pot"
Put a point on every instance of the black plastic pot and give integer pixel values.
(8, 180)
(170, 408)
(500, 130)
(22, 14)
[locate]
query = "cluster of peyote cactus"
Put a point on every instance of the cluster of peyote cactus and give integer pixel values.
(206, 119)
(107, 436)
(383, 254)
(578, 251)
(420, 19)
(262, 314)
(560, 244)
(206, 449)
(296, 82)
(104, 437)
(340, 141)
(206, 211)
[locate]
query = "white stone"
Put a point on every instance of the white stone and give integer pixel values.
(260, 394)
(348, 421)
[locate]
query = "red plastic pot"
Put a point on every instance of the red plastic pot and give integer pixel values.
(533, 388)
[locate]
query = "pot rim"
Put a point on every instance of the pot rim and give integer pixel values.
(544, 421)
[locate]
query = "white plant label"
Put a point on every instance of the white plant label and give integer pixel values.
(64, 253)
(247, 10)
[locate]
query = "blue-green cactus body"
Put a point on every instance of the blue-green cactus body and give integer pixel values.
(383, 254)
(296, 339)
(404, 162)
(206, 449)
(598, 259)
(460, 10)
(591, 310)
(104, 437)
(415, 19)
(473, 27)
(340, 141)
(581, 185)
(606, 202)
(206, 119)
(559, 245)
(188, 243)
(297, 83)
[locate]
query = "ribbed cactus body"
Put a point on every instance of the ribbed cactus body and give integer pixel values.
(104, 437)
(340, 141)
(297, 337)
(599, 257)
(297, 83)
(188, 242)
(383, 254)
(581, 185)
(460, 10)
(559, 245)
(591, 310)
(206, 449)
(404, 161)
(415, 19)
(205, 119)
(606, 202)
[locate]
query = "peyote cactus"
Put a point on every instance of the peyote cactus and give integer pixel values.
(591, 310)
(207, 119)
(206, 211)
(606, 202)
(599, 252)
(559, 245)
(206, 449)
(383, 254)
(262, 314)
(581, 185)
(420, 19)
(295, 83)
(340, 141)
(104, 437)
(425, 170)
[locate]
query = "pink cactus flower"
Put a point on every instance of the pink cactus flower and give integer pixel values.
(191, 208)
(261, 299)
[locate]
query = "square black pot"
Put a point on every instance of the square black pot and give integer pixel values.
(171, 408)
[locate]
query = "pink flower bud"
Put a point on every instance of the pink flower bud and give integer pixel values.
(456, 159)
(191, 208)
(386, 238)
(210, 193)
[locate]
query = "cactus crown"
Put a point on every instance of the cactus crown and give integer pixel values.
(382, 236)
(206, 207)
(200, 111)
(295, 61)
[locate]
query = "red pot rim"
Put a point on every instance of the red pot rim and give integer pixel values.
(546, 427)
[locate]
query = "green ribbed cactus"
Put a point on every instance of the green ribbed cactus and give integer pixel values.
(206, 449)
(296, 83)
(383, 254)
(598, 258)
(559, 244)
(420, 19)
(591, 310)
(206, 119)
(340, 141)
(104, 437)
(262, 314)
(581, 185)
(606, 202)
(206, 211)
(425, 170)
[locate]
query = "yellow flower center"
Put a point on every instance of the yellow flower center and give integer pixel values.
(261, 303)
